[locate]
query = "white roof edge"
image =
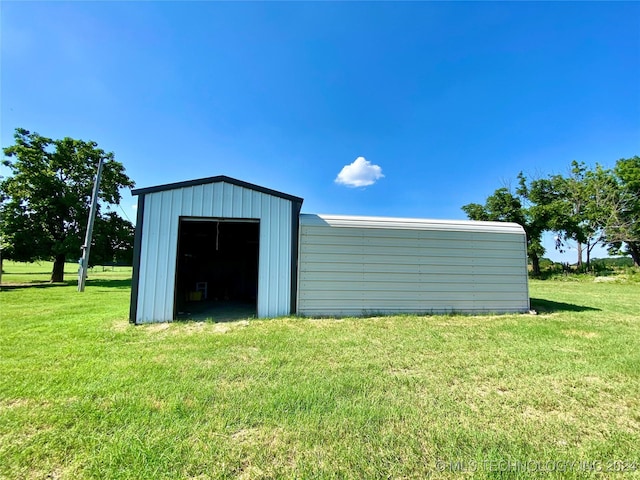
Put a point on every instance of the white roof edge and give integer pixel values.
(408, 223)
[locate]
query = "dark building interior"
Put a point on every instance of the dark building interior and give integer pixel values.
(217, 270)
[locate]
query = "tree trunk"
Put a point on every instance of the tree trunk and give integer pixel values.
(58, 269)
(579, 254)
(634, 250)
(535, 264)
(588, 255)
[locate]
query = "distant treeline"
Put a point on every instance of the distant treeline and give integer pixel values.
(610, 262)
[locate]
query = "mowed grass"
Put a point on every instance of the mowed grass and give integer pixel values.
(83, 394)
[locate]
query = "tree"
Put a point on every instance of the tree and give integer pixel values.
(113, 240)
(622, 221)
(570, 216)
(504, 206)
(574, 207)
(558, 203)
(601, 188)
(592, 206)
(44, 204)
(589, 206)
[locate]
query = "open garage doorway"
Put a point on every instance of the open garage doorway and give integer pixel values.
(217, 269)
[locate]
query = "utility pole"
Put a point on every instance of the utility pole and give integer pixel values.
(84, 260)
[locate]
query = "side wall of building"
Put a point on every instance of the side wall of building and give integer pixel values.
(158, 244)
(368, 265)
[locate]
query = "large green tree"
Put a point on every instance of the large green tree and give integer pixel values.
(504, 206)
(621, 222)
(559, 204)
(591, 206)
(44, 203)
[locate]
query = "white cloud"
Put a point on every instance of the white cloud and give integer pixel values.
(360, 173)
(134, 206)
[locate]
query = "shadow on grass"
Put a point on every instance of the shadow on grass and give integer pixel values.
(115, 283)
(34, 284)
(41, 274)
(547, 306)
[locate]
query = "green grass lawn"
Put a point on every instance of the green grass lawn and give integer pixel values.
(83, 394)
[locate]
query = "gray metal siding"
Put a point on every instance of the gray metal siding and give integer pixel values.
(159, 241)
(360, 265)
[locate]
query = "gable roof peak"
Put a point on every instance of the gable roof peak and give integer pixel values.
(215, 179)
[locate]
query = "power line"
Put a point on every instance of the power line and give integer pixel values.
(125, 213)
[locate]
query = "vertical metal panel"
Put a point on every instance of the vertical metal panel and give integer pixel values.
(196, 204)
(264, 259)
(229, 196)
(159, 243)
(275, 256)
(186, 198)
(362, 265)
(246, 201)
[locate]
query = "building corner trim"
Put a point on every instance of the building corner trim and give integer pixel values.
(135, 277)
(295, 240)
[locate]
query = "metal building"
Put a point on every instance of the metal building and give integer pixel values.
(214, 238)
(222, 242)
(366, 265)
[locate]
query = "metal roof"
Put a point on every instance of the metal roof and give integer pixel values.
(410, 223)
(216, 179)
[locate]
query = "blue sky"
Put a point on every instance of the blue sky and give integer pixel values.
(449, 100)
